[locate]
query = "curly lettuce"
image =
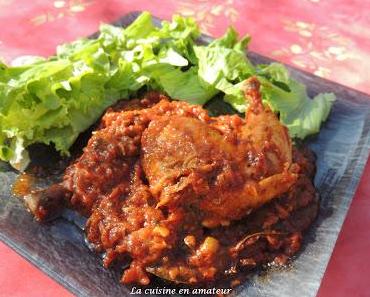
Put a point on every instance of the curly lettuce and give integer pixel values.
(53, 100)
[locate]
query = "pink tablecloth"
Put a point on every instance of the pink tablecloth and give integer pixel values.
(330, 38)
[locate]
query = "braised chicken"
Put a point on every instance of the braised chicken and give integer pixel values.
(186, 196)
(203, 163)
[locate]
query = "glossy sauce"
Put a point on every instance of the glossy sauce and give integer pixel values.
(109, 185)
(23, 185)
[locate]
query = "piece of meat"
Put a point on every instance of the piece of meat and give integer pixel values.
(185, 196)
(187, 160)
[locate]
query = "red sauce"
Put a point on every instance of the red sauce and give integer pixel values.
(23, 185)
(123, 177)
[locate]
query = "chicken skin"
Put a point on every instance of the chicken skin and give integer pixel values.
(225, 171)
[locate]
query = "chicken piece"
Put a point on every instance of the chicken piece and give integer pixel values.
(263, 130)
(225, 174)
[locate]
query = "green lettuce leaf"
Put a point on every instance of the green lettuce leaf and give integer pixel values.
(53, 100)
(224, 59)
(223, 64)
(187, 86)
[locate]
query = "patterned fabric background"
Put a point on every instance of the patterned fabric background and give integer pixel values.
(308, 34)
(330, 38)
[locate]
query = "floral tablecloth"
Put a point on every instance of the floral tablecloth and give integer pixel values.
(330, 38)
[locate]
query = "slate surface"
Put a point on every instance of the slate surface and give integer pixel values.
(342, 147)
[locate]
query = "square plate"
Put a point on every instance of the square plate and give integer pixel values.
(342, 147)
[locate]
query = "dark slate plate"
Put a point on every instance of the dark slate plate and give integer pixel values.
(342, 148)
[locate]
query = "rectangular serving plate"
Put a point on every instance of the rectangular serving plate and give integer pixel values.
(342, 148)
